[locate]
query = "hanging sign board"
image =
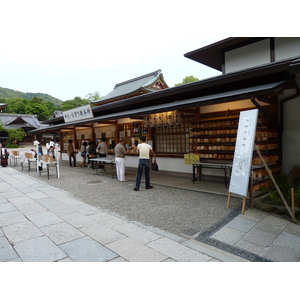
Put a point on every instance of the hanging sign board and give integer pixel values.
(243, 153)
(78, 113)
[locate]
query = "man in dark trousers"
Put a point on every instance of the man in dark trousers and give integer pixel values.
(144, 162)
(71, 154)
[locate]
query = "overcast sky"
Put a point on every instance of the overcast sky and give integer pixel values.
(72, 48)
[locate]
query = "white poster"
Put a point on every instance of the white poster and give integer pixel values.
(243, 153)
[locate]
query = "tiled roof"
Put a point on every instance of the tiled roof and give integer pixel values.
(135, 86)
(11, 121)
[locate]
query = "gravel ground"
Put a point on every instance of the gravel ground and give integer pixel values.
(176, 210)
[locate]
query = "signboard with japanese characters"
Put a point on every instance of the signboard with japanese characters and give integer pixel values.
(243, 153)
(78, 113)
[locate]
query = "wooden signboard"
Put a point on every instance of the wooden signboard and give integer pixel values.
(78, 113)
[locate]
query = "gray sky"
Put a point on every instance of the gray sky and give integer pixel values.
(71, 48)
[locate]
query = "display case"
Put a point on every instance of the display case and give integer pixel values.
(173, 139)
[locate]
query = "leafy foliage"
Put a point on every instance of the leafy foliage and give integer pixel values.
(14, 135)
(2, 128)
(187, 79)
(285, 186)
(15, 106)
(93, 96)
(35, 106)
(69, 104)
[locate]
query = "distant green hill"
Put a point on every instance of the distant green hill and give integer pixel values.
(11, 94)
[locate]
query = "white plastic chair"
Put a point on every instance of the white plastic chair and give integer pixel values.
(15, 156)
(28, 159)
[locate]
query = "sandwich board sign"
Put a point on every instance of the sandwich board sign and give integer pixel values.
(243, 153)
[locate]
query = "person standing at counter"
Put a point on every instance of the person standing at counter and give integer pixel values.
(102, 150)
(71, 154)
(120, 153)
(83, 154)
(144, 162)
(91, 150)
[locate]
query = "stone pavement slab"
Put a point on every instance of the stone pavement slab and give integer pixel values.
(61, 232)
(178, 251)
(11, 217)
(241, 224)
(108, 219)
(30, 208)
(228, 235)
(7, 252)
(78, 219)
(87, 250)
(21, 231)
(260, 238)
(279, 253)
(140, 234)
(40, 249)
(216, 254)
(56, 206)
(288, 240)
(292, 229)
(82, 207)
(6, 207)
(102, 233)
(44, 219)
(134, 251)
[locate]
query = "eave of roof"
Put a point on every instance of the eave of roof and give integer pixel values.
(233, 95)
(212, 55)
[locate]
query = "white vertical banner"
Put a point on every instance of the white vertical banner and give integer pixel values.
(243, 153)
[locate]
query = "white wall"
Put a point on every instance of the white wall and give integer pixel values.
(286, 47)
(164, 164)
(249, 56)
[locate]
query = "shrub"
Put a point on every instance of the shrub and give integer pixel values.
(285, 187)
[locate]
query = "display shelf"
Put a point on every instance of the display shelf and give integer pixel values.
(213, 137)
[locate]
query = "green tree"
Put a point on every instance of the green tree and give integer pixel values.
(15, 106)
(77, 101)
(14, 136)
(37, 107)
(186, 80)
(93, 96)
(51, 108)
(40, 110)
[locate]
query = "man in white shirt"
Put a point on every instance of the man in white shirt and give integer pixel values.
(144, 162)
(102, 150)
